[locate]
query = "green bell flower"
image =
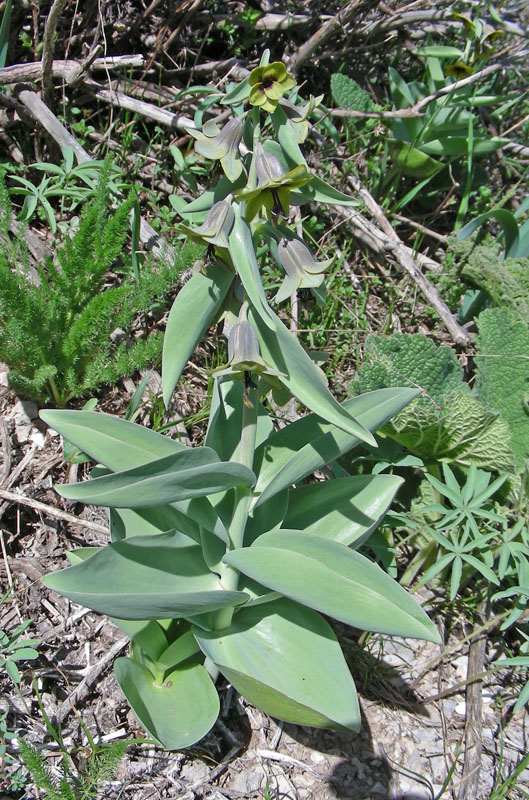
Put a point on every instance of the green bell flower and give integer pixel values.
(244, 356)
(222, 144)
(273, 185)
(216, 227)
(302, 269)
(268, 85)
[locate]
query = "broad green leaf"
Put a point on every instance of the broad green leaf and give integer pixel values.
(114, 442)
(286, 660)
(126, 522)
(413, 161)
(458, 146)
(146, 577)
(225, 419)
(195, 472)
(147, 634)
(180, 650)
(303, 378)
(178, 712)
(345, 510)
(239, 93)
(400, 90)
(196, 210)
(81, 554)
(242, 253)
(194, 310)
(334, 580)
(310, 443)
(286, 139)
(319, 191)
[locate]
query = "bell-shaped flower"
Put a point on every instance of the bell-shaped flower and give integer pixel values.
(221, 143)
(216, 227)
(244, 355)
(268, 85)
(272, 185)
(301, 268)
(297, 116)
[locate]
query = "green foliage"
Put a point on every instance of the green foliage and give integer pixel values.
(515, 235)
(506, 281)
(348, 94)
(448, 422)
(86, 784)
(460, 531)
(11, 769)
(220, 561)
(502, 366)
(459, 430)
(409, 360)
(14, 648)
(69, 352)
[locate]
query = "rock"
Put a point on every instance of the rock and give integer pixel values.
(24, 412)
(194, 771)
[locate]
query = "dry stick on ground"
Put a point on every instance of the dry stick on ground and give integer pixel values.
(48, 46)
(152, 240)
(322, 35)
(473, 739)
(403, 257)
(50, 511)
(67, 69)
(68, 705)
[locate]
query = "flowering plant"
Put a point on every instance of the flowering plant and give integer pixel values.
(222, 561)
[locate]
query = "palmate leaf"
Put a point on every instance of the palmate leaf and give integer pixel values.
(177, 712)
(145, 577)
(191, 473)
(334, 580)
(287, 661)
(345, 510)
(309, 443)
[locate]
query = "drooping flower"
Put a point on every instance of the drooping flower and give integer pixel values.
(216, 227)
(268, 85)
(272, 185)
(302, 269)
(221, 143)
(244, 354)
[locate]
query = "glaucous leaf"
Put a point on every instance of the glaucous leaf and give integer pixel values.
(286, 660)
(195, 472)
(193, 311)
(345, 510)
(302, 376)
(114, 442)
(334, 580)
(178, 712)
(310, 443)
(145, 577)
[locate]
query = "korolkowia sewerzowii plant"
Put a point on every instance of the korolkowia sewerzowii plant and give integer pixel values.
(222, 561)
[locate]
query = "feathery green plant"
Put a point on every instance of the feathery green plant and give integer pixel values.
(55, 334)
(101, 766)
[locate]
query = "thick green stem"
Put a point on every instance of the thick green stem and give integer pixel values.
(243, 497)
